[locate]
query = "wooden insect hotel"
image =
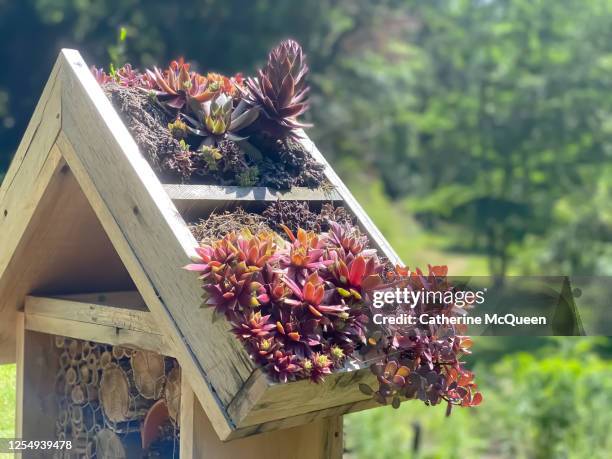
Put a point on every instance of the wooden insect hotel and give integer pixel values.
(112, 345)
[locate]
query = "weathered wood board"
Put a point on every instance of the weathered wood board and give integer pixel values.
(81, 211)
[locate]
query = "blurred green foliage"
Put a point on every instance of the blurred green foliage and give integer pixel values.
(487, 122)
(551, 403)
(7, 401)
(476, 133)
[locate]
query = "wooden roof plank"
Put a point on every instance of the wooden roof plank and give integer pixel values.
(22, 187)
(137, 214)
(150, 237)
(179, 192)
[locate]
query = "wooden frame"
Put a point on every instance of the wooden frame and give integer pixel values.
(76, 141)
(110, 323)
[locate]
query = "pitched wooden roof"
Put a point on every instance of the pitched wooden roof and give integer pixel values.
(82, 211)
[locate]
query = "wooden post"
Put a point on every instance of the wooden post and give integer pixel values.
(36, 369)
(321, 439)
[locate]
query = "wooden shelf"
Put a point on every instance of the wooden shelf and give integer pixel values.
(199, 200)
(237, 193)
(115, 318)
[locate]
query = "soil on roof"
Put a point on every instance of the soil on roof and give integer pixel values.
(258, 161)
(293, 214)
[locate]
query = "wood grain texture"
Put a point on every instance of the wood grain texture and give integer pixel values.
(262, 401)
(320, 439)
(150, 237)
(294, 421)
(36, 371)
(198, 201)
(179, 193)
(93, 322)
(19, 367)
(128, 299)
(49, 257)
(110, 315)
(21, 189)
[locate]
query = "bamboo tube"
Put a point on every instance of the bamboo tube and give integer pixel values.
(118, 352)
(76, 415)
(86, 374)
(106, 359)
(93, 361)
(172, 394)
(64, 418)
(109, 446)
(72, 376)
(74, 350)
(60, 342)
(149, 373)
(115, 394)
(78, 394)
(64, 360)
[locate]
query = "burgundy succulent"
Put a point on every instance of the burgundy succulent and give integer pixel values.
(228, 130)
(280, 89)
(177, 85)
(255, 327)
(300, 306)
(423, 362)
(284, 366)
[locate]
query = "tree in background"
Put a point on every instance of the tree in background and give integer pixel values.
(495, 115)
(222, 35)
(489, 118)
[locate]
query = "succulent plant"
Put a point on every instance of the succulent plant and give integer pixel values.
(317, 367)
(299, 305)
(218, 120)
(129, 77)
(255, 327)
(280, 89)
(216, 109)
(211, 157)
(178, 129)
(423, 362)
(284, 366)
(248, 177)
(100, 75)
(178, 85)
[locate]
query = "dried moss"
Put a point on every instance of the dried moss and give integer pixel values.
(218, 225)
(292, 214)
(148, 122)
(279, 164)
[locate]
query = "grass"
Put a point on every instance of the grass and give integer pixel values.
(7, 404)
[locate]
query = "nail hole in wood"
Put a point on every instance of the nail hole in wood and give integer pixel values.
(5, 212)
(136, 210)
